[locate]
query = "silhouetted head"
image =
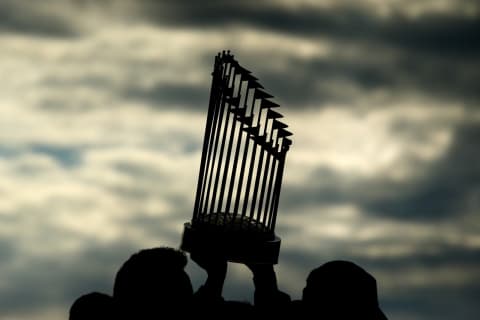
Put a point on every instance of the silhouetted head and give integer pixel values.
(152, 282)
(342, 290)
(92, 306)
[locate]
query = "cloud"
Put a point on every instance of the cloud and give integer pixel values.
(408, 259)
(102, 115)
(33, 284)
(347, 79)
(420, 175)
(323, 51)
(413, 54)
(61, 223)
(449, 190)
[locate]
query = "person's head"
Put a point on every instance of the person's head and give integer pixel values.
(153, 281)
(341, 289)
(92, 306)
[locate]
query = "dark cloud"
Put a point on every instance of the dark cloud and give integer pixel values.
(437, 33)
(441, 34)
(335, 79)
(66, 156)
(36, 19)
(433, 302)
(162, 95)
(346, 78)
(7, 248)
(444, 256)
(8, 152)
(59, 280)
(433, 55)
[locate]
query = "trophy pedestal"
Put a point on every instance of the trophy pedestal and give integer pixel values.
(239, 246)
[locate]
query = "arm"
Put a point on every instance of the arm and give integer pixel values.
(216, 269)
(266, 288)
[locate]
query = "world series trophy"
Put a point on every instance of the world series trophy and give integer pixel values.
(241, 170)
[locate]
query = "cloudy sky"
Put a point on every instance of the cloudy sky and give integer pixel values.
(102, 111)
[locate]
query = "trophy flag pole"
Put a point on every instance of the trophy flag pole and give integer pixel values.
(241, 169)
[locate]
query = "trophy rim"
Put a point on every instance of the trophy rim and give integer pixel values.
(232, 246)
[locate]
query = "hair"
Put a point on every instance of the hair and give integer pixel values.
(153, 279)
(341, 288)
(92, 306)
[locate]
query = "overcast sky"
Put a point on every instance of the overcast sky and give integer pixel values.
(102, 113)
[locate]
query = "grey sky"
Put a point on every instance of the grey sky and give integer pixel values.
(102, 111)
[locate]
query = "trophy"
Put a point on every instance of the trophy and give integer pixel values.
(241, 170)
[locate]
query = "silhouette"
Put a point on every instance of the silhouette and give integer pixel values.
(241, 169)
(233, 220)
(152, 283)
(268, 300)
(208, 299)
(93, 306)
(341, 290)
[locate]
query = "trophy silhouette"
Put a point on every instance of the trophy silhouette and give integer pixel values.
(241, 170)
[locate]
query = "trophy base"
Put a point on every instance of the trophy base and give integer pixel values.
(231, 246)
